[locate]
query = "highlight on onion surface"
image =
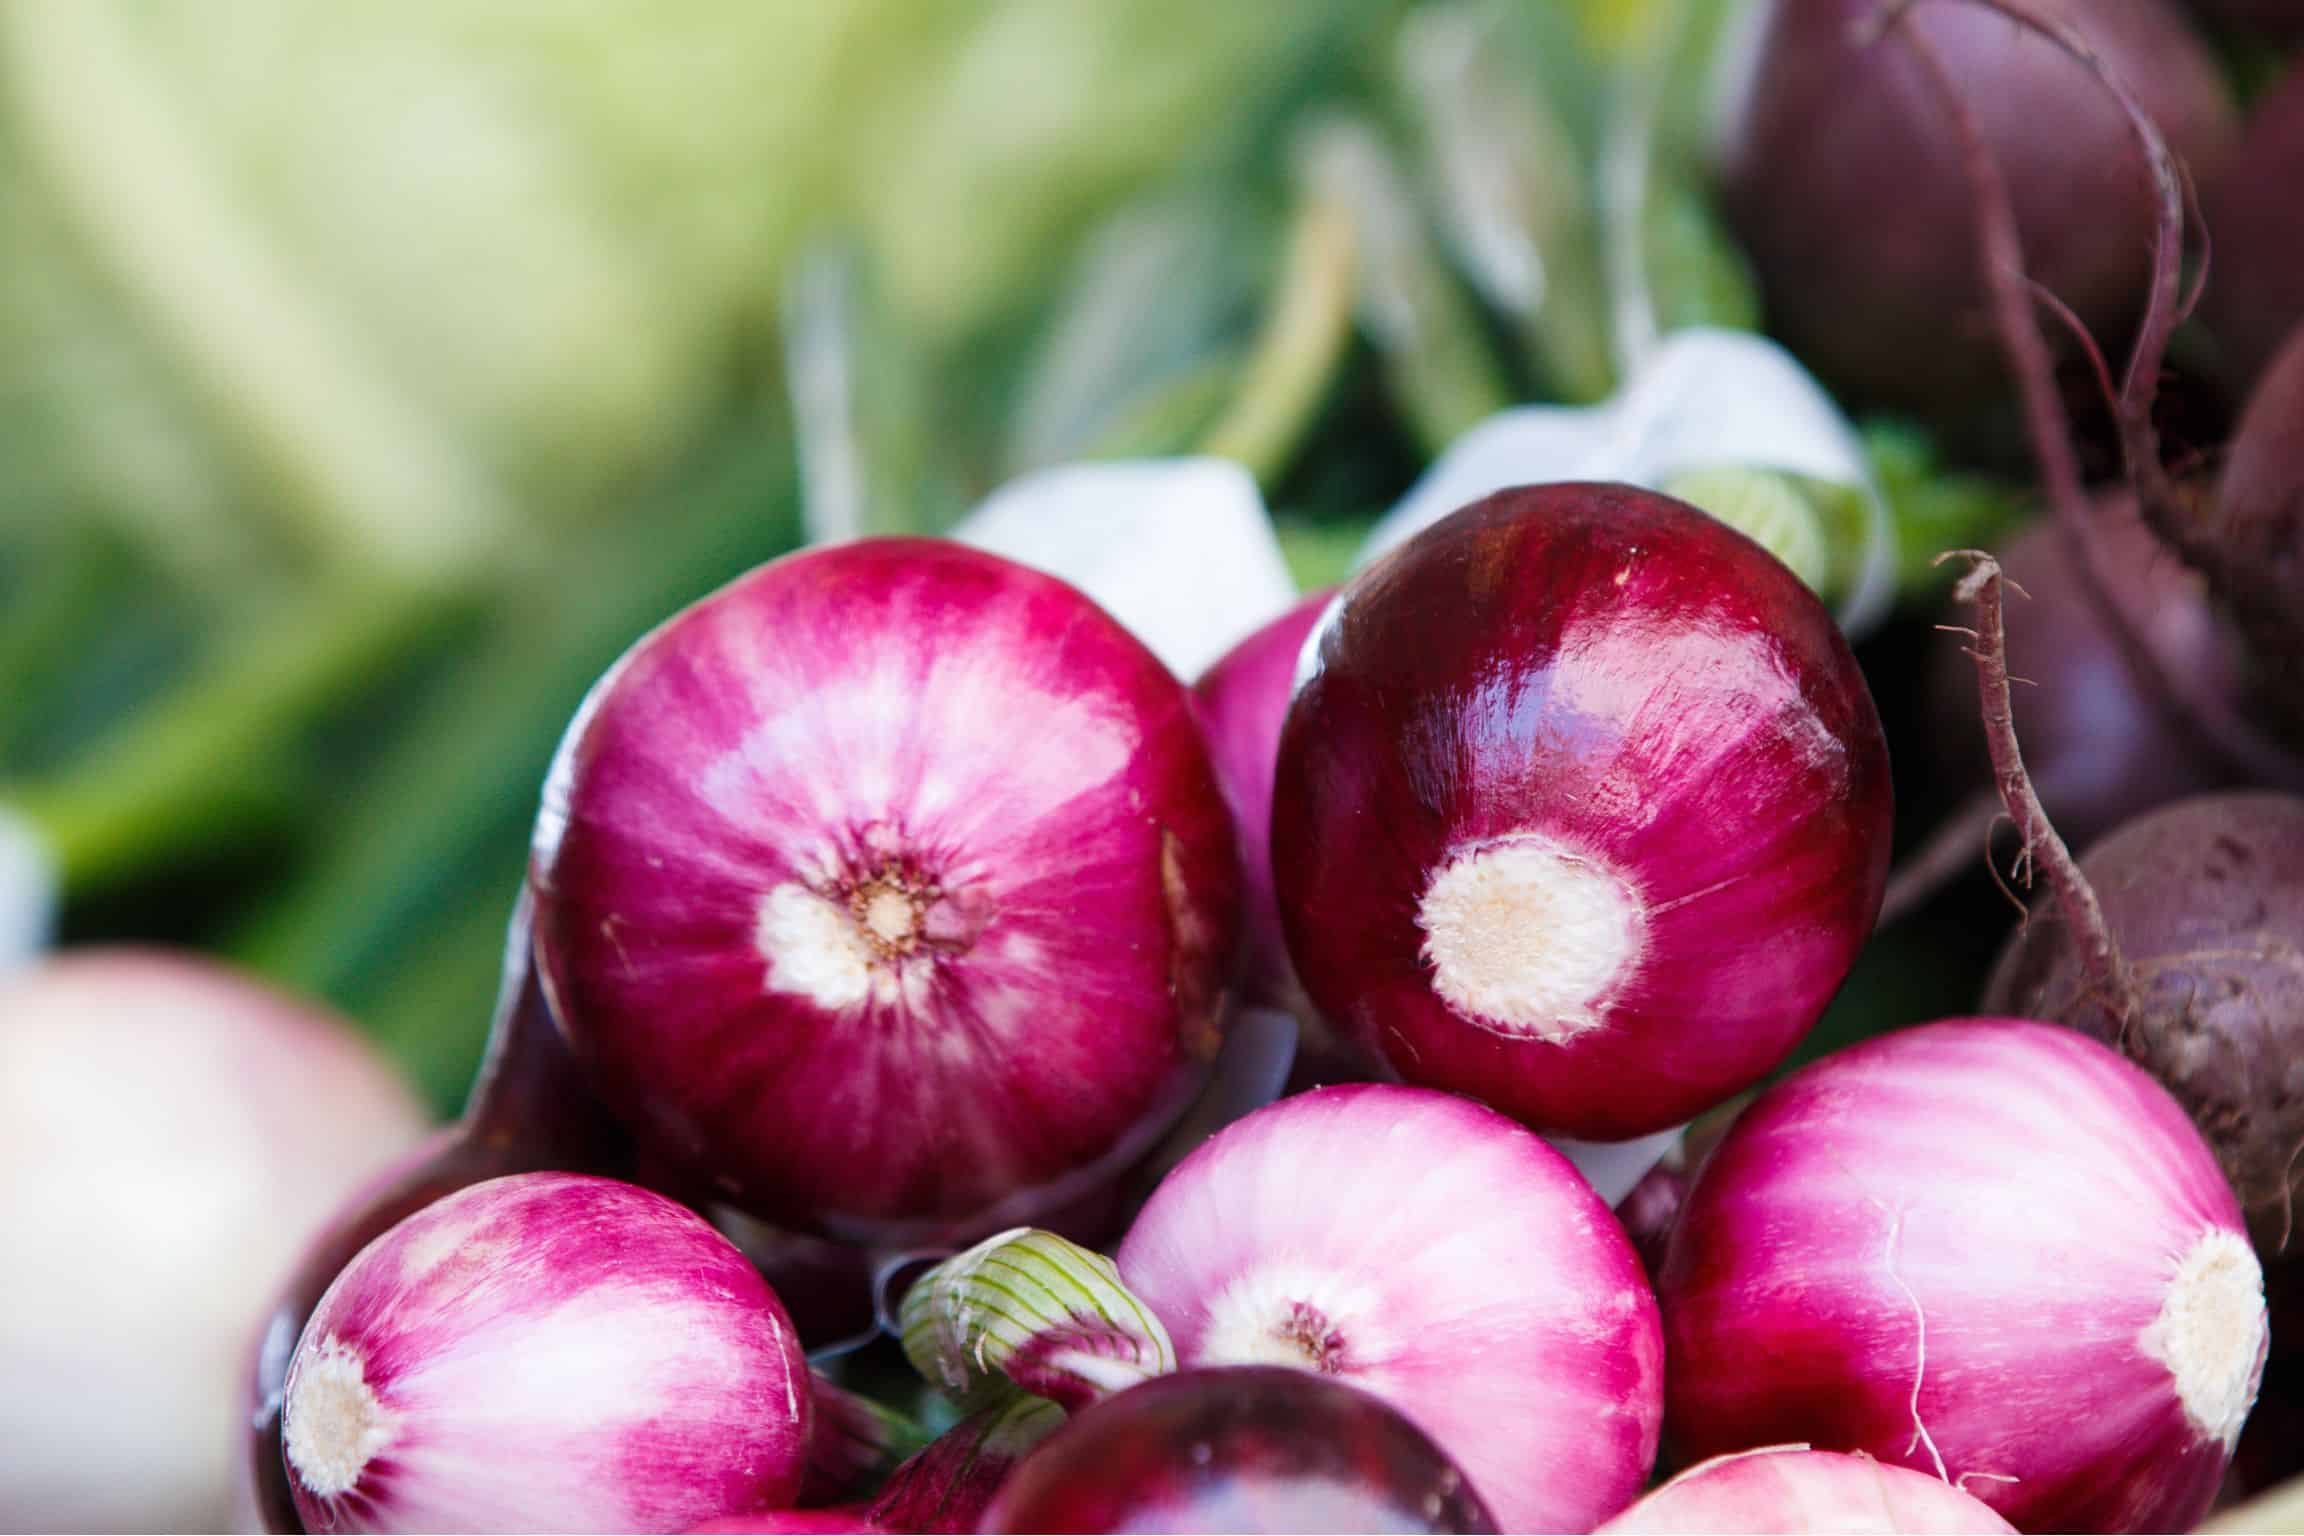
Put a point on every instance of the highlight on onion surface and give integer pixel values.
(889, 892)
(170, 1133)
(1436, 1254)
(1792, 1488)
(1583, 810)
(1244, 1449)
(1991, 1250)
(545, 1351)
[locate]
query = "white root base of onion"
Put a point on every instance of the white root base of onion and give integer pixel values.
(1530, 939)
(333, 1424)
(2210, 1333)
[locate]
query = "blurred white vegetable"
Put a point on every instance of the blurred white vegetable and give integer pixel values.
(170, 1134)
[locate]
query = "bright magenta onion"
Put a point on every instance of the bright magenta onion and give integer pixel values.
(1434, 1253)
(889, 890)
(1791, 1488)
(1991, 1250)
(1583, 810)
(545, 1352)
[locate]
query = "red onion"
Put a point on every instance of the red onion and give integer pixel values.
(1256, 1448)
(1988, 1249)
(889, 890)
(1242, 702)
(530, 1109)
(1794, 1489)
(170, 1131)
(1434, 1253)
(1584, 810)
(545, 1351)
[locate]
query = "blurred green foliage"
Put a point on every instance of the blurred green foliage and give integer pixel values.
(372, 373)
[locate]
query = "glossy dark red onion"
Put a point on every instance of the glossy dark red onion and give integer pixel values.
(1242, 1449)
(889, 890)
(545, 1351)
(1841, 174)
(1991, 1250)
(1584, 812)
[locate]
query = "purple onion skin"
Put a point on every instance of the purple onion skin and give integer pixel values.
(531, 1109)
(2255, 293)
(1428, 1250)
(1794, 1489)
(1613, 676)
(2099, 746)
(1242, 702)
(889, 889)
(1959, 1248)
(2206, 900)
(1244, 1449)
(1840, 172)
(546, 1352)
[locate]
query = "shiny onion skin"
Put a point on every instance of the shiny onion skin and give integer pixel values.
(1991, 1250)
(1430, 1251)
(1584, 812)
(545, 1352)
(1244, 1449)
(889, 890)
(1790, 1488)
(1242, 702)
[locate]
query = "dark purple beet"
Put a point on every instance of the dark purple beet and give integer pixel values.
(2255, 293)
(2270, 18)
(2259, 524)
(2205, 900)
(1841, 174)
(2101, 749)
(1244, 1448)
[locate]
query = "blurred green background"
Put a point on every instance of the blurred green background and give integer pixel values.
(372, 373)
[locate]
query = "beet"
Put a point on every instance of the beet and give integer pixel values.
(2259, 524)
(1842, 176)
(2100, 745)
(2205, 903)
(2255, 212)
